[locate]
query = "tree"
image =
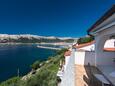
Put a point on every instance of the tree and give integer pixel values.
(85, 40)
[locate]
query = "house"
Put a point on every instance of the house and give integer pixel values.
(99, 53)
(90, 46)
(64, 64)
(103, 30)
(67, 55)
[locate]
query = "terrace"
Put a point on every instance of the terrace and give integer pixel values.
(103, 30)
(94, 64)
(102, 58)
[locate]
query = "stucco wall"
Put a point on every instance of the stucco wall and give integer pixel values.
(67, 58)
(68, 76)
(88, 48)
(109, 43)
(84, 57)
(106, 58)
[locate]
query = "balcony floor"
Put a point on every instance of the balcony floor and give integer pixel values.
(83, 76)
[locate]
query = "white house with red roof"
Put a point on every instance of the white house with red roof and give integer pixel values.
(67, 57)
(68, 74)
(90, 46)
(85, 53)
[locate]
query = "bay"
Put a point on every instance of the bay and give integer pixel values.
(14, 57)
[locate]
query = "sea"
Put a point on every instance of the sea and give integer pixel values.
(19, 57)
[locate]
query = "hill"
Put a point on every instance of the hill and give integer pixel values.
(27, 38)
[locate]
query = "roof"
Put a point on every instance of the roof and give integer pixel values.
(84, 45)
(110, 12)
(67, 53)
(109, 49)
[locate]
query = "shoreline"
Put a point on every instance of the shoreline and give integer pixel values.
(66, 45)
(49, 47)
(37, 55)
(55, 43)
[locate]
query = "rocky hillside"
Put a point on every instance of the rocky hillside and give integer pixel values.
(27, 38)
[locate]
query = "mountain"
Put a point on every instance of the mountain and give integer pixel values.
(28, 38)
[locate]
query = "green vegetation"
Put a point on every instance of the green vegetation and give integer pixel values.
(36, 65)
(45, 75)
(85, 40)
(10, 82)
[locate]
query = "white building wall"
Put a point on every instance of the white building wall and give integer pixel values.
(110, 43)
(106, 58)
(68, 76)
(103, 57)
(89, 48)
(67, 58)
(85, 57)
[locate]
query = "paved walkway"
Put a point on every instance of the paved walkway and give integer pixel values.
(82, 75)
(79, 74)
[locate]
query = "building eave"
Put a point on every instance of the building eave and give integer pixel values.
(103, 28)
(109, 13)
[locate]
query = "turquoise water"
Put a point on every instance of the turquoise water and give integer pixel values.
(13, 57)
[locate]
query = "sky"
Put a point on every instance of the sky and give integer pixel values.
(62, 18)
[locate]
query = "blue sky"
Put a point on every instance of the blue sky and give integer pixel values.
(51, 17)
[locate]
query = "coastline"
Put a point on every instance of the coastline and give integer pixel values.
(55, 43)
(47, 66)
(10, 53)
(49, 47)
(17, 43)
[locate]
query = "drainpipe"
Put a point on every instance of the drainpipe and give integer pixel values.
(95, 61)
(95, 55)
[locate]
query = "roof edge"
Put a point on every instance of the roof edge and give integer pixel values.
(110, 12)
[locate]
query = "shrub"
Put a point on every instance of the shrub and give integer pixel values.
(85, 40)
(35, 65)
(61, 51)
(10, 82)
